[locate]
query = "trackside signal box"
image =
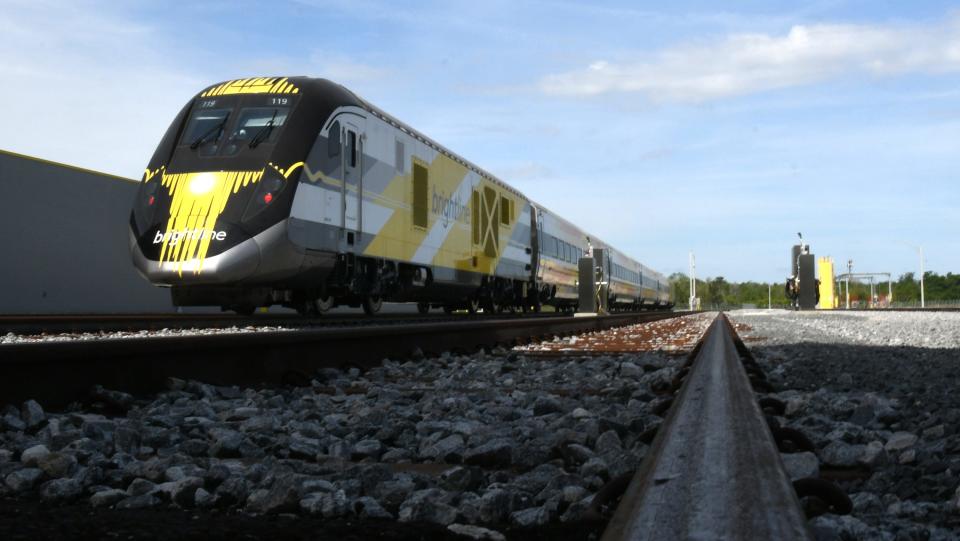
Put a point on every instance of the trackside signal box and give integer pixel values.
(587, 286)
(828, 300)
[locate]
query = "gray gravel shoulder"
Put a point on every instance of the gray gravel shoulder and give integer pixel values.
(876, 393)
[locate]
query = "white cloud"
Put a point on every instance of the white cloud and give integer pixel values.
(748, 63)
(524, 171)
(345, 70)
(86, 86)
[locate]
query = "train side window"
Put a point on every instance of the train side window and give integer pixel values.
(504, 210)
(333, 140)
(399, 161)
(419, 195)
(352, 148)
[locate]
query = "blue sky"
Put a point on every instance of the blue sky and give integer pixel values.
(661, 129)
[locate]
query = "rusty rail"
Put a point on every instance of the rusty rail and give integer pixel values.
(57, 373)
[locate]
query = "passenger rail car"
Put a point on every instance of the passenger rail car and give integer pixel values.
(295, 191)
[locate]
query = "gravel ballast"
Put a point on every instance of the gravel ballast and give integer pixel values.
(476, 445)
(877, 395)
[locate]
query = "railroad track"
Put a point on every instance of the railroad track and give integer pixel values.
(714, 471)
(60, 372)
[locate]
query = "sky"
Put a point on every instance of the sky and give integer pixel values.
(661, 129)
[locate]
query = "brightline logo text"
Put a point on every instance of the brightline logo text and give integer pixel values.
(174, 237)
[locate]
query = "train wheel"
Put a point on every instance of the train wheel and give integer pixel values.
(423, 307)
(448, 309)
(305, 308)
(323, 304)
(372, 304)
(244, 309)
(473, 305)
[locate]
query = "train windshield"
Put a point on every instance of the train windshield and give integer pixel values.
(205, 127)
(255, 125)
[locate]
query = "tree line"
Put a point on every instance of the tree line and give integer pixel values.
(719, 293)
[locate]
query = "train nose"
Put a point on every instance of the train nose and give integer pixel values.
(224, 253)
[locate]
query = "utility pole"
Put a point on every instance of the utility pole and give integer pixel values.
(849, 272)
(769, 296)
(922, 302)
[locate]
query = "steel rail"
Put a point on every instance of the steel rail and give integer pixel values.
(37, 324)
(90, 323)
(57, 373)
(713, 471)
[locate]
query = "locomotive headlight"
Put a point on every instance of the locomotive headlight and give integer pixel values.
(202, 183)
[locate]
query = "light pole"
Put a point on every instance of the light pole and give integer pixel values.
(919, 249)
(693, 282)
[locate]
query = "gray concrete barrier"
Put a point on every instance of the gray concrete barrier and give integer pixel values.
(63, 242)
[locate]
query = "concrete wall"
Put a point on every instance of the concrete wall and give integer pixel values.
(63, 242)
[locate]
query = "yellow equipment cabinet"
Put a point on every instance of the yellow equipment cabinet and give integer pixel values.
(825, 267)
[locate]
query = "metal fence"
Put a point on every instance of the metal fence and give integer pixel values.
(928, 304)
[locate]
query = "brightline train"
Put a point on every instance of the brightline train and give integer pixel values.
(294, 191)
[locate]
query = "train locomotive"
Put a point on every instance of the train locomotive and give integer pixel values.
(294, 191)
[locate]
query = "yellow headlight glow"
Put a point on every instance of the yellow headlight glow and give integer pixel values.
(202, 183)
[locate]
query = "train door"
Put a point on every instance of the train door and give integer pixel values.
(352, 190)
(535, 234)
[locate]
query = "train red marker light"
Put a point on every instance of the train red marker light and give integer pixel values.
(150, 201)
(268, 197)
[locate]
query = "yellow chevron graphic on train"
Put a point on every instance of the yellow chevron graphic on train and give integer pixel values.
(198, 199)
(259, 85)
(297, 192)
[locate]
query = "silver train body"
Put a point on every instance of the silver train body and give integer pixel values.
(340, 203)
